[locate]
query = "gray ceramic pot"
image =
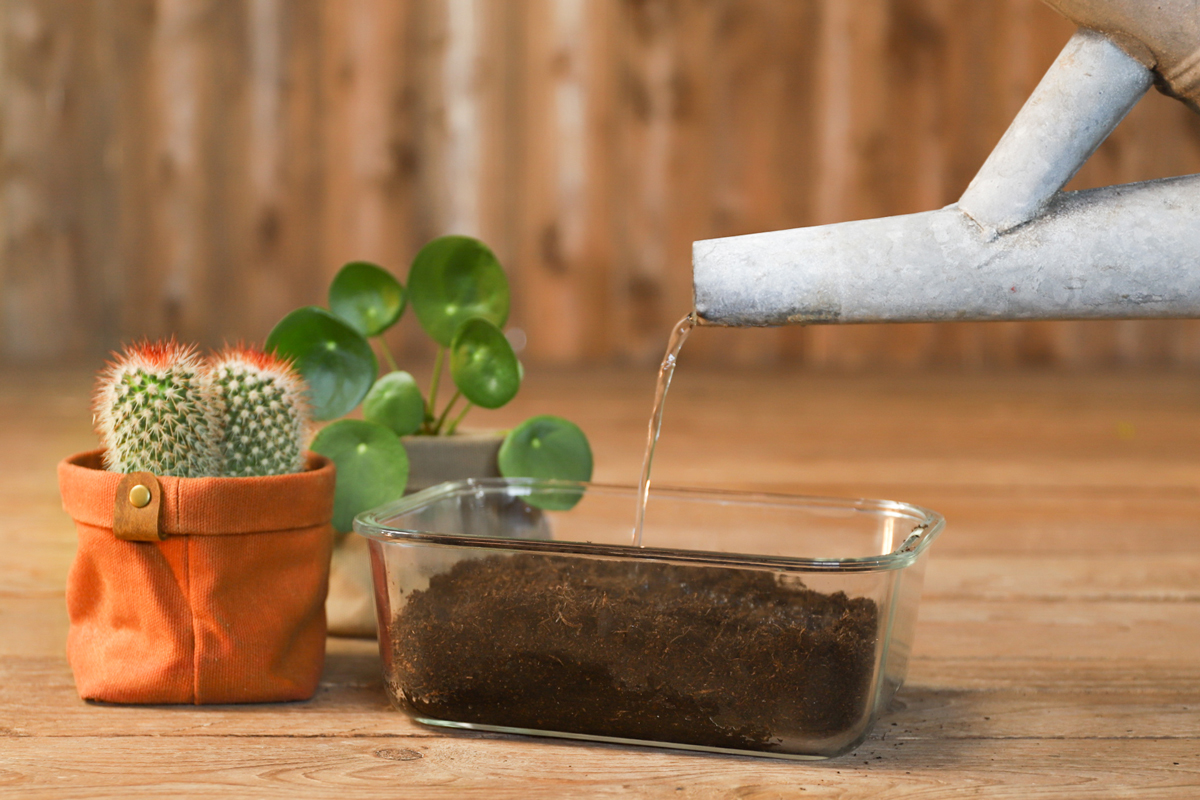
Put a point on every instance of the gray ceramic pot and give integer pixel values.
(350, 606)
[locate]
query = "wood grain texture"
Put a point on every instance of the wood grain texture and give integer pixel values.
(1057, 651)
(200, 167)
(463, 767)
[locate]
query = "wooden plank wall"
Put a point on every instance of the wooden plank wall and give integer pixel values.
(202, 166)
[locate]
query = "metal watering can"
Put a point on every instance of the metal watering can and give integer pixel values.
(1014, 246)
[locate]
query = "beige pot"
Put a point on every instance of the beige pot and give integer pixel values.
(350, 606)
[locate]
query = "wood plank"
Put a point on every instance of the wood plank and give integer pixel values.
(33, 625)
(971, 570)
(835, 430)
(1059, 629)
(1033, 673)
(274, 189)
(742, 85)
(1108, 577)
(1003, 496)
(175, 289)
(200, 168)
(39, 699)
(367, 135)
(1130, 632)
(1057, 649)
(57, 121)
(352, 679)
(646, 139)
(561, 256)
(509, 767)
(1050, 625)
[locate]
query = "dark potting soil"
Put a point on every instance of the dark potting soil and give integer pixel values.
(697, 655)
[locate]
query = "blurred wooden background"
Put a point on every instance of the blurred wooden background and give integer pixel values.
(203, 166)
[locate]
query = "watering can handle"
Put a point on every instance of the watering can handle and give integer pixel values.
(1121, 48)
(1014, 246)
(1163, 35)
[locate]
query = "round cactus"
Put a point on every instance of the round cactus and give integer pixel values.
(154, 411)
(261, 401)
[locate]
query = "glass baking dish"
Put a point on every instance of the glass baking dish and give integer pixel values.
(748, 623)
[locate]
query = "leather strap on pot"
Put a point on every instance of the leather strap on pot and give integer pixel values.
(135, 508)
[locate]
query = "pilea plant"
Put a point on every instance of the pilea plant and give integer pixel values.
(161, 408)
(460, 296)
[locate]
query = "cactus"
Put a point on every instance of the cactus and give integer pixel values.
(154, 411)
(261, 401)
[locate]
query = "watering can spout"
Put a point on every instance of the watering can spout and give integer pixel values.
(1014, 246)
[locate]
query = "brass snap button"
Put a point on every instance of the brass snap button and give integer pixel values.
(139, 496)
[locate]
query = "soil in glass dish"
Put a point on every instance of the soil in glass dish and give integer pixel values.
(716, 657)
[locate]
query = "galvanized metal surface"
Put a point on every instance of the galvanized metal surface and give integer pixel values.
(1090, 88)
(1014, 247)
(1163, 34)
(1124, 251)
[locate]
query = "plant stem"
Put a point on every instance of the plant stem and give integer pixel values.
(454, 425)
(387, 354)
(433, 386)
(445, 413)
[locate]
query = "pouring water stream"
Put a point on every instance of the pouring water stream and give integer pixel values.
(665, 372)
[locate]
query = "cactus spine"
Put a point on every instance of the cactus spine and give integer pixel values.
(154, 412)
(161, 408)
(260, 399)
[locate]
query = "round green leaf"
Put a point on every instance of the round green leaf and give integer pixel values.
(367, 297)
(455, 278)
(547, 447)
(395, 402)
(372, 467)
(483, 364)
(335, 360)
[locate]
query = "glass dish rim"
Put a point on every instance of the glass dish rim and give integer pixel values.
(928, 524)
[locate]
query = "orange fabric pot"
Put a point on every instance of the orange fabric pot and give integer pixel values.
(228, 608)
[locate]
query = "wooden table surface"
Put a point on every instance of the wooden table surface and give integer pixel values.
(1057, 651)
